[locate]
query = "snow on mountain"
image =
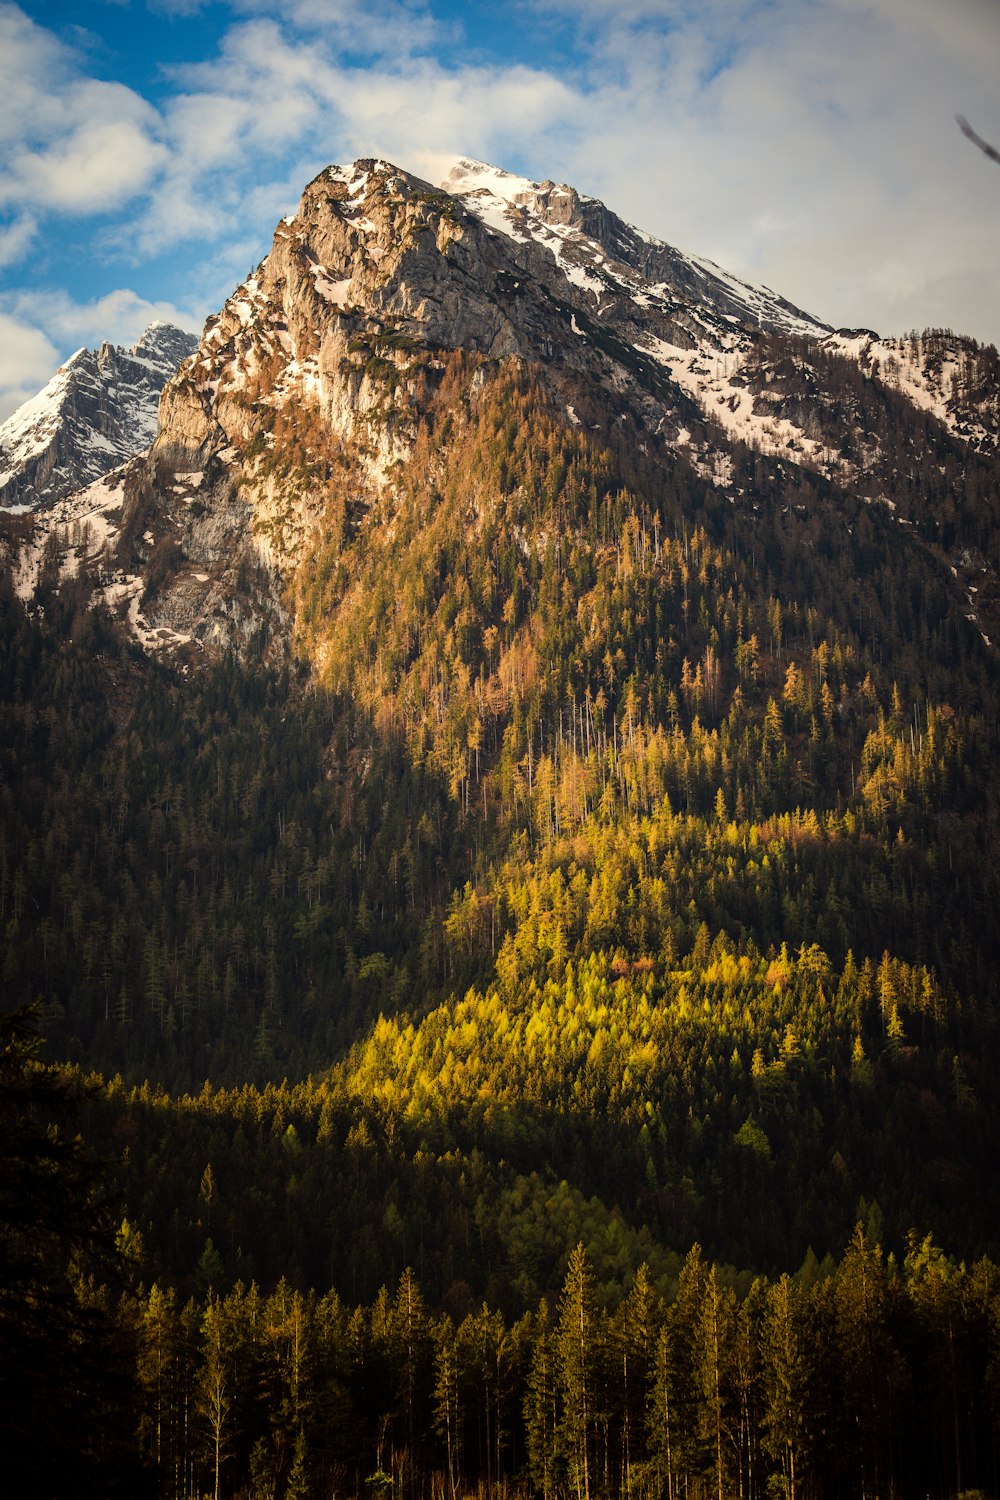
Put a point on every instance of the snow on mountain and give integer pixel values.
(305, 393)
(952, 377)
(603, 254)
(709, 320)
(698, 322)
(98, 409)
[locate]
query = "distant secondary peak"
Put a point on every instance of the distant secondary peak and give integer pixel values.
(99, 408)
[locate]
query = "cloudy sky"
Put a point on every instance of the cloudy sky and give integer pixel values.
(148, 147)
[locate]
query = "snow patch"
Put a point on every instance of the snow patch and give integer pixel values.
(708, 375)
(334, 292)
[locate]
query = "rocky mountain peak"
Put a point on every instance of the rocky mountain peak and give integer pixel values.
(99, 409)
(308, 393)
(605, 249)
(374, 265)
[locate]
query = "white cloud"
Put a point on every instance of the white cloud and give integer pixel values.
(29, 55)
(100, 165)
(969, 29)
(15, 239)
(370, 28)
(71, 143)
(414, 117)
(274, 81)
(27, 359)
(118, 317)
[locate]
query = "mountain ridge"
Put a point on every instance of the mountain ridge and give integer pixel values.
(517, 207)
(98, 409)
(378, 269)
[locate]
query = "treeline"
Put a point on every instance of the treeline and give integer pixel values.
(869, 1376)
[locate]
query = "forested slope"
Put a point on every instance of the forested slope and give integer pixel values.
(658, 826)
(605, 855)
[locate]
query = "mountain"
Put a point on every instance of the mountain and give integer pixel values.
(526, 733)
(599, 253)
(626, 270)
(503, 474)
(378, 273)
(97, 411)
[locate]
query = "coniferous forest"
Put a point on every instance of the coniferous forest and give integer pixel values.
(540, 1029)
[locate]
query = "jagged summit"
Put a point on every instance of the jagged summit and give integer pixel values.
(163, 347)
(98, 409)
(607, 255)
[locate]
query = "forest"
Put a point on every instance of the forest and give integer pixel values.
(540, 1030)
(871, 1373)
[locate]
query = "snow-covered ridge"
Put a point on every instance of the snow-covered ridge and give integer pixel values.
(98, 409)
(29, 429)
(691, 317)
(603, 253)
(699, 322)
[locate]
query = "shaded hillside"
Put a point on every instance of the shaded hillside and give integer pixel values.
(551, 713)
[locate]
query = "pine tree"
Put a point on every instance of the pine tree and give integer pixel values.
(541, 1408)
(214, 1395)
(639, 1318)
(447, 1411)
(785, 1381)
(575, 1356)
(715, 1357)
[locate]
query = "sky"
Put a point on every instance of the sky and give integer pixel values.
(149, 147)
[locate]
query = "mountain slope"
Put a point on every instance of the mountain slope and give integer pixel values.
(97, 410)
(527, 735)
(600, 253)
(560, 726)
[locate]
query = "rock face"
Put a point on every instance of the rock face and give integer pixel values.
(97, 410)
(306, 392)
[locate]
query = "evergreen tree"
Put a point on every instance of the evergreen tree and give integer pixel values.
(576, 1351)
(541, 1407)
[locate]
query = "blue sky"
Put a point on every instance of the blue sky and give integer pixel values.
(149, 146)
